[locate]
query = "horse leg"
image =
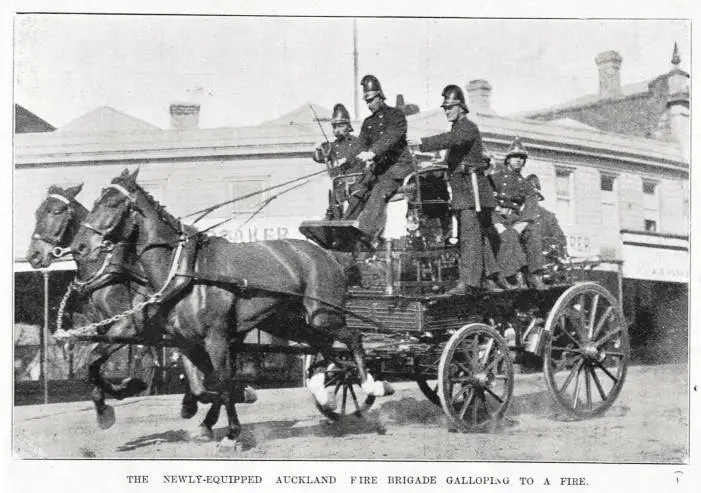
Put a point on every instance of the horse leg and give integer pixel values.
(105, 412)
(222, 359)
(352, 339)
(198, 392)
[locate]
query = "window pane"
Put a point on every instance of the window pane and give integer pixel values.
(650, 226)
(239, 188)
(562, 183)
(607, 183)
(649, 187)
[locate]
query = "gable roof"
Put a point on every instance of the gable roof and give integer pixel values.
(303, 115)
(28, 122)
(106, 119)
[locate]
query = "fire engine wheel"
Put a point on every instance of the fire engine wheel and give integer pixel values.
(342, 388)
(586, 354)
(476, 378)
(429, 388)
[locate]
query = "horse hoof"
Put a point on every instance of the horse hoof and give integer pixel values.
(230, 444)
(202, 434)
(188, 409)
(133, 386)
(387, 389)
(249, 395)
(106, 418)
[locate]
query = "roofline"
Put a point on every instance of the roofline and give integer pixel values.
(51, 149)
(564, 108)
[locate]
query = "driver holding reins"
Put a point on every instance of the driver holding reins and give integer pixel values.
(339, 155)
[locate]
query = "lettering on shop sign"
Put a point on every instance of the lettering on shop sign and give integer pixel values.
(254, 233)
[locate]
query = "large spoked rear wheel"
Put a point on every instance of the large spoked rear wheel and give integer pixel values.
(342, 382)
(475, 377)
(586, 355)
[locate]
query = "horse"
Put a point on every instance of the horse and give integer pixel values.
(115, 291)
(213, 292)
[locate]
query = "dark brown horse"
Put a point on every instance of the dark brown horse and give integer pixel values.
(214, 291)
(113, 292)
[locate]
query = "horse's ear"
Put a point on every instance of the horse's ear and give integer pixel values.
(125, 173)
(56, 190)
(135, 174)
(73, 191)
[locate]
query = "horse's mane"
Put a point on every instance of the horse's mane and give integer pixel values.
(132, 186)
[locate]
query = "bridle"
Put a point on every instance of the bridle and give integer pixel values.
(58, 251)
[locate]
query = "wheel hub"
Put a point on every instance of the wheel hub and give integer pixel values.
(590, 351)
(483, 380)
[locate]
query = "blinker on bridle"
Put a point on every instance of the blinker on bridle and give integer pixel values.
(57, 251)
(106, 244)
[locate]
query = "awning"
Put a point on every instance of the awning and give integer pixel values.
(655, 257)
(24, 266)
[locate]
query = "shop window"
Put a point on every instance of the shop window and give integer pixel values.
(651, 206)
(609, 207)
(564, 195)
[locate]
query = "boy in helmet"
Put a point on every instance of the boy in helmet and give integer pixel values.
(464, 158)
(339, 155)
(386, 157)
(517, 209)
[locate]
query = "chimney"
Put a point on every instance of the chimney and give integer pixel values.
(478, 93)
(609, 63)
(400, 101)
(184, 116)
(407, 108)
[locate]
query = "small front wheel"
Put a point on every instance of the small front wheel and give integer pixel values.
(475, 377)
(342, 384)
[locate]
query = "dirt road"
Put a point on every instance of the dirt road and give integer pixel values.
(648, 423)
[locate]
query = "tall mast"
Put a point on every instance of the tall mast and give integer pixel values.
(356, 82)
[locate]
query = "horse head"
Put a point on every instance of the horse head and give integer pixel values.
(57, 221)
(123, 216)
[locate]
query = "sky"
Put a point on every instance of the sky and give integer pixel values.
(246, 70)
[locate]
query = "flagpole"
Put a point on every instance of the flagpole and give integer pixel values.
(356, 103)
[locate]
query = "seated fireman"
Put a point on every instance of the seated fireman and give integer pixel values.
(339, 155)
(472, 206)
(554, 240)
(517, 208)
(387, 157)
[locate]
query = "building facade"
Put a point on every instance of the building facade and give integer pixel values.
(618, 196)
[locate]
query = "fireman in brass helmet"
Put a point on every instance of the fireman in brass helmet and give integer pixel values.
(339, 155)
(386, 157)
(517, 209)
(554, 239)
(465, 157)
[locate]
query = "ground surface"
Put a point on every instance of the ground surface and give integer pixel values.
(648, 423)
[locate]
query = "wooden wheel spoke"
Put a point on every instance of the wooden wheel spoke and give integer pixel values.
(599, 387)
(493, 364)
(493, 394)
(465, 369)
(566, 332)
(582, 327)
(608, 337)
(566, 383)
(575, 397)
(618, 354)
(474, 411)
(345, 398)
(605, 370)
(566, 349)
(587, 386)
(354, 397)
(466, 404)
(604, 318)
(338, 387)
(594, 308)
